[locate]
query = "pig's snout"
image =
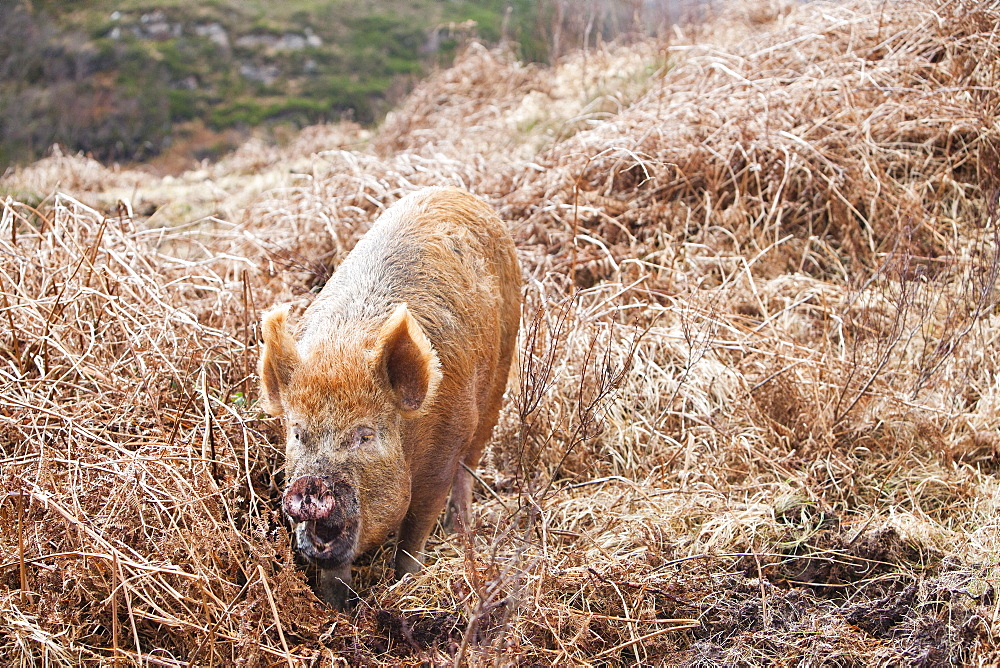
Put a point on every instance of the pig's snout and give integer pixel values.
(325, 511)
(308, 498)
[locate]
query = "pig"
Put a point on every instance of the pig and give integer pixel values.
(391, 383)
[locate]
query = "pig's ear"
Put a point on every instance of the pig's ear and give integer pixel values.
(278, 359)
(409, 361)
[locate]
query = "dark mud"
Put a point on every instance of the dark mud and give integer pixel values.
(846, 601)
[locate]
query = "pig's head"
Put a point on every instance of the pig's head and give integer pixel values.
(344, 403)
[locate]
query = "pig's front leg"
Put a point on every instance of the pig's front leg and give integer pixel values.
(412, 538)
(416, 528)
(333, 585)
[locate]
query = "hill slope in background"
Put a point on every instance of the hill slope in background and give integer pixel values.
(756, 420)
(128, 81)
(124, 81)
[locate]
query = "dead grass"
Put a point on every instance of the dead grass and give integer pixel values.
(757, 411)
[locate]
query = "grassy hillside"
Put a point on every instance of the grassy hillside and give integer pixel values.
(129, 80)
(756, 419)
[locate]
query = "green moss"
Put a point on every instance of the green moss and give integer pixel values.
(488, 18)
(403, 66)
(249, 112)
(183, 104)
(244, 112)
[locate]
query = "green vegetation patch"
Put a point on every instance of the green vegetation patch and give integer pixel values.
(225, 63)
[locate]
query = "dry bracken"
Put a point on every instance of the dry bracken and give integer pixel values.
(755, 416)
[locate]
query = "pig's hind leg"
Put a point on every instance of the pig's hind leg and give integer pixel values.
(459, 515)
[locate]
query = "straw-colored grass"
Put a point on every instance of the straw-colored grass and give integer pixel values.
(756, 415)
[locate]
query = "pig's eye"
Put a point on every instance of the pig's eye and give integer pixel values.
(363, 436)
(297, 434)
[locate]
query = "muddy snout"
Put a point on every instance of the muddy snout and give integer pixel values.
(326, 516)
(308, 498)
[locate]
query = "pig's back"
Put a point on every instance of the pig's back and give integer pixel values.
(450, 258)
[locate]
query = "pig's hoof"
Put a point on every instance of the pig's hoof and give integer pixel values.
(339, 598)
(406, 565)
(456, 521)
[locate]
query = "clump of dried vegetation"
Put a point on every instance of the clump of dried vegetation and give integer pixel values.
(757, 409)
